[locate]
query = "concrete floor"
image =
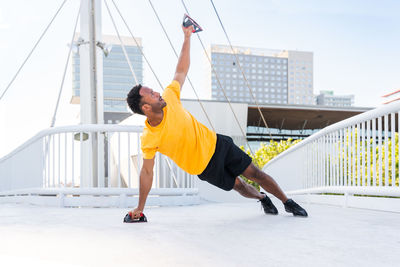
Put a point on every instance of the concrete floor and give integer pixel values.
(210, 234)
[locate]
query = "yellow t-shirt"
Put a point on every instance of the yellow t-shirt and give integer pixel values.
(179, 136)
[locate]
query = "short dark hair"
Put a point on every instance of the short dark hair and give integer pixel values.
(134, 100)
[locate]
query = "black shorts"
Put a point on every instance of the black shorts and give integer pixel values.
(226, 164)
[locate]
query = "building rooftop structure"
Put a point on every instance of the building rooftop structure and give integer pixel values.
(210, 234)
(327, 98)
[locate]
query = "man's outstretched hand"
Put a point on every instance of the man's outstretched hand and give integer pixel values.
(188, 31)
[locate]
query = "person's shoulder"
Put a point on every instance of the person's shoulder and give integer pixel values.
(173, 88)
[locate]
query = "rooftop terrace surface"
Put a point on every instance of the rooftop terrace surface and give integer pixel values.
(210, 234)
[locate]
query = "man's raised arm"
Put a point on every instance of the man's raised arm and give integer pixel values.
(182, 67)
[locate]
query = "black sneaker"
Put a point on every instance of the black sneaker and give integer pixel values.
(293, 207)
(268, 206)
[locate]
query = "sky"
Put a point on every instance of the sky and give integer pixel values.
(355, 46)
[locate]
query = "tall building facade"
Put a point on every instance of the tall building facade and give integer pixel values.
(274, 76)
(117, 76)
(327, 98)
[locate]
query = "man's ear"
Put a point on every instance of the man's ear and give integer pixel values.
(146, 108)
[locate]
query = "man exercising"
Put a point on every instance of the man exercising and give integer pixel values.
(174, 132)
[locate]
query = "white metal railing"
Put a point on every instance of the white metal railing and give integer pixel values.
(56, 162)
(353, 156)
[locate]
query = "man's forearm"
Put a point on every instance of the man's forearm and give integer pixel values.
(146, 180)
(184, 57)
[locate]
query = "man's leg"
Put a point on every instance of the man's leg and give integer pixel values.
(265, 181)
(247, 190)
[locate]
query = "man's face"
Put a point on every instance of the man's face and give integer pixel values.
(153, 100)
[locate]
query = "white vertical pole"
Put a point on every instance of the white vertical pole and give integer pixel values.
(332, 161)
(93, 162)
(374, 152)
(318, 164)
(54, 161)
(325, 161)
(73, 161)
(48, 160)
(108, 160)
(334, 156)
(91, 91)
(129, 160)
(59, 161)
(380, 150)
(386, 142)
(313, 162)
(358, 154)
(65, 159)
(368, 153)
(349, 149)
(362, 182)
(353, 144)
(119, 160)
(393, 128)
(308, 167)
(337, 157)
(398, 142)
(330, 158)
(337, 153)
(344, 156)
(321, 174)
(81, 153)
(164, 168)
(340, 157)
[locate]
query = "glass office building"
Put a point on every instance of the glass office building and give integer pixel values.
(117, 76)
(274, 76)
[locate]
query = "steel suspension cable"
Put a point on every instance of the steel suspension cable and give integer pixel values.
(53, 120)
(122, 43)
(176, 54)
(137, 44)
(240, 66)
(220, 85)
(33, 49)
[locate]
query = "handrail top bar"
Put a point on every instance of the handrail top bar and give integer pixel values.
(100, 191)
(75, 128)
(356, 190)
(369, 115)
